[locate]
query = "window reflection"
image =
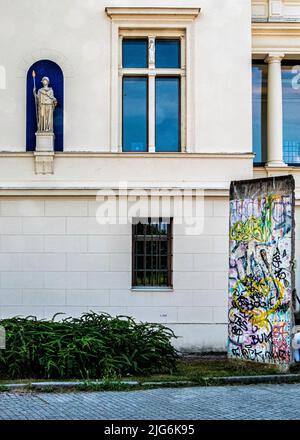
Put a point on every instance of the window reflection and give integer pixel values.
(167, 114)
(291, 112)
(259, 111)
(135, 131)
(167, 54)
(135, 53)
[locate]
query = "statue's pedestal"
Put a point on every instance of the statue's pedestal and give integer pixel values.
(44, 141)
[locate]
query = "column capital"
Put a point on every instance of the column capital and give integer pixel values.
(274, 57)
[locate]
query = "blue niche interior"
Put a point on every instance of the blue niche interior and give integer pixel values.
(53, 71)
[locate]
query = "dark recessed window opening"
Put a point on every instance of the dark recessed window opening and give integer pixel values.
(152, 253)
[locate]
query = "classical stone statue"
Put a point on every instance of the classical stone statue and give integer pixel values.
(45, 105)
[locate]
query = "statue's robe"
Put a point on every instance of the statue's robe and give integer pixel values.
(46, 104)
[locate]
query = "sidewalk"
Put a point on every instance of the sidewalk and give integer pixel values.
(253, 402)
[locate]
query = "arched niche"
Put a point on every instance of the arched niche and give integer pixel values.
(54, 72)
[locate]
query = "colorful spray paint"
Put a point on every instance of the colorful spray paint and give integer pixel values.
(261, 270)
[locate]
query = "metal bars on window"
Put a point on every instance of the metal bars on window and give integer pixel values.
(152, 254)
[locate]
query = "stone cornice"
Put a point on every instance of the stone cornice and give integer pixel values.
(276, 37)
(123, 13)
(118, 155)
(276, 28)
(52, 191)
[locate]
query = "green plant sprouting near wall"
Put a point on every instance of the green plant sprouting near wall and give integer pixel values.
(92, 346)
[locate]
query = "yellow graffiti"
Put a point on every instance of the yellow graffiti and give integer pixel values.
(245, 231)
(262, 287)
(259, 229)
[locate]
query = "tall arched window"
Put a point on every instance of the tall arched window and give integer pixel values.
(54, 72)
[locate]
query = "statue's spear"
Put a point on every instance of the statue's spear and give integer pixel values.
(34, 90)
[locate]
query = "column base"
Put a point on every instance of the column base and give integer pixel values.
(276, 164)
(44, 142)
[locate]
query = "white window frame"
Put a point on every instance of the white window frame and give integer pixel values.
(151, 73)
(152, 23)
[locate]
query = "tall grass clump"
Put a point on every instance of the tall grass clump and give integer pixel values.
(92, 346)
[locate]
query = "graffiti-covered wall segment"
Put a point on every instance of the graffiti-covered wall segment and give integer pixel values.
(261, 278)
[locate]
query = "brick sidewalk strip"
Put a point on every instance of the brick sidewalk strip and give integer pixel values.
(260, 402)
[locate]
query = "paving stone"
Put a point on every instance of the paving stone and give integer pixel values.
(253, 402)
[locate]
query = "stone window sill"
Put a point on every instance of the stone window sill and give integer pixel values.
(152, 289)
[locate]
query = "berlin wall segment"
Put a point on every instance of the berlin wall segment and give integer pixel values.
(261, 270)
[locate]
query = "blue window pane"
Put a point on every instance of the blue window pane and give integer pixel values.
(167, 54)
(135, 91)
(291, 113)
(167, 114)
(259, 111)
(135, 53)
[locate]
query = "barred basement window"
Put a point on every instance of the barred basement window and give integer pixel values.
(152, 253)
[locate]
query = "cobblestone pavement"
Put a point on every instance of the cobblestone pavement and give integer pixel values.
(268, 402)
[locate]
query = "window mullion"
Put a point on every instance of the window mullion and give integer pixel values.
(182, 107)
(151, 110)
(151, 52)
(120, 85)
(151, 91)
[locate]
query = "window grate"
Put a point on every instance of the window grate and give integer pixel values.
(152, 254)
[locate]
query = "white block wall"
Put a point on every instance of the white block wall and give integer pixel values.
(55, 257)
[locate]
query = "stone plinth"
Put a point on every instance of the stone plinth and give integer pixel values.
(44, 141)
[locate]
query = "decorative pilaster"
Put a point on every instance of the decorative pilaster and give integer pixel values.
(275, 113)
(151, 52)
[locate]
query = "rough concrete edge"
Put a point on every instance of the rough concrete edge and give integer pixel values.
(275, 379)
(268, 378)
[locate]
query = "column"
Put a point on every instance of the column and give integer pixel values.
(275, 113)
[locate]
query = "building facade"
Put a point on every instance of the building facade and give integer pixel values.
(160, 106)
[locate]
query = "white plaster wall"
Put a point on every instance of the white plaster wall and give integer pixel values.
(76, 35)
(55, 257)
(142, 170)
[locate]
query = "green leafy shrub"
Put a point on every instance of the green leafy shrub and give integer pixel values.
(92, 346)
